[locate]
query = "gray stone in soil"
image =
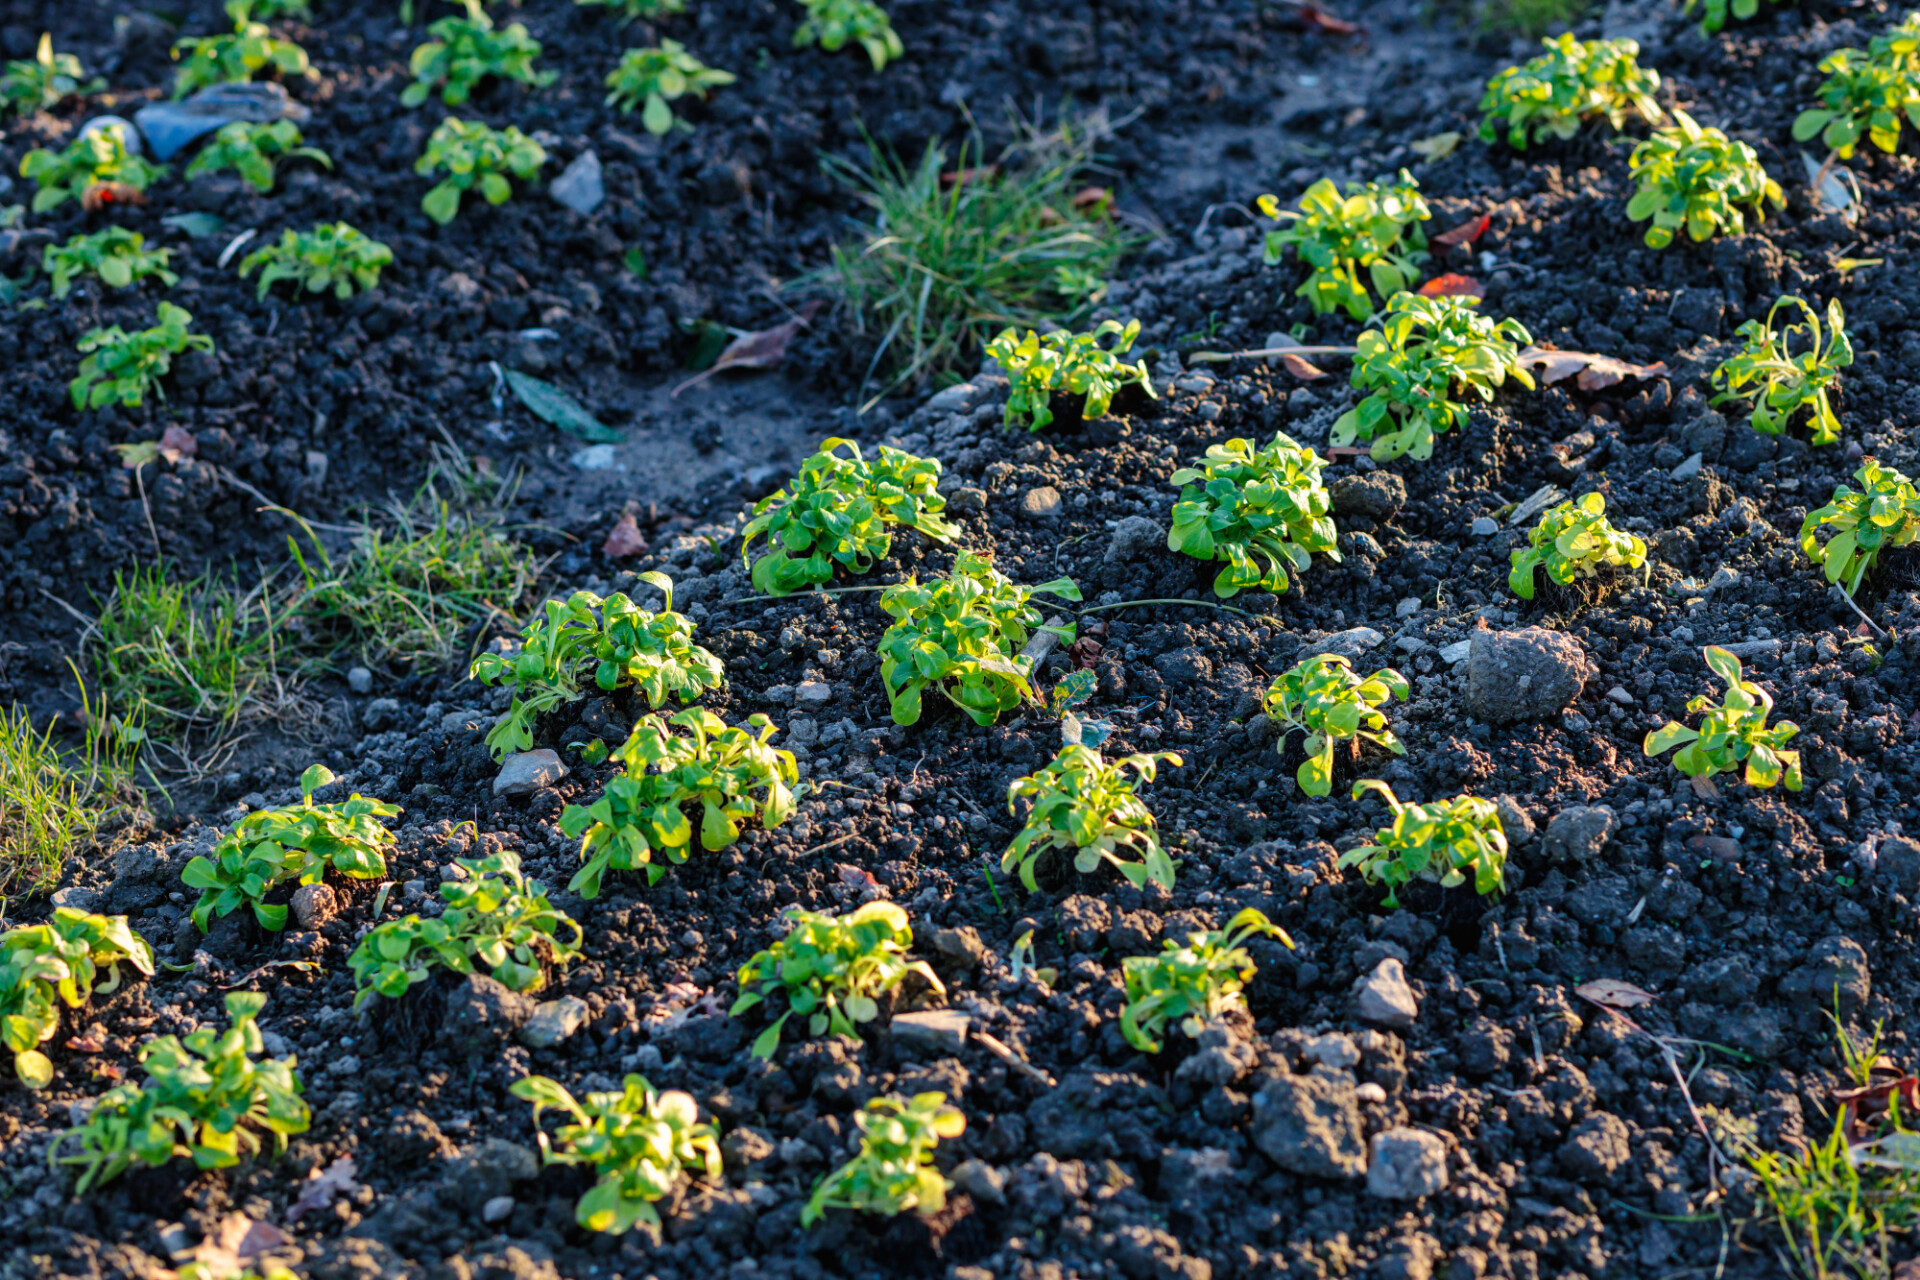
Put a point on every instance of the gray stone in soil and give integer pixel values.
(1407, 1164)
(360, 680)
(1527, 674)
(554, 1022)
(1384, 998)
(1310, 1124)
(526, 772)
(1514, 821)
(940, 1030)
(1579, 832)
(170, 126)
(1133, 537)
(812, 694)
(1040, 503)
(580, 185)
(1688, 469)
(1897, 865)
(1485, 526)
(1377, 495)
(1349, 644)
(314, 905)
(981, 1181)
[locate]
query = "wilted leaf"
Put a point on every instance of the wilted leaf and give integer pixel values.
(555, 407)
(1611, 993)
(625, 539)
(1095, 198)
(177, 443)
(961, 177)
(1705, 788)
(1846, 265)
(857, 877)
(1301, 367)
(1453, 285)
(1317, 19)
(761, 350)
(322, 1187)
(1466, 233)
(1830, 194)
(1594, 371)
(93, 1041)
(1438, 147)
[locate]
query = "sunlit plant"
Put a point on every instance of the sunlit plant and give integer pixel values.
(893, 1170)
(1732, 734)
(1697, 178)
(1324, 699)
(1449, 841)
(651, 79)
(640, 1142)
(632, 9)
(1067, 363)
(1266, 513)
(831, 971)
(1188, 985)
(121, 367)
(255, 151)
(45, 966)
(332, 256)
(1573, 540)
(1714, 13)
(93, 159)
(833, 24)
(1575, 80)
(1883, 514)
(1373, 228)
(117, 256)
(1419, 368)
(236, 56)
(45, 81)
(1867, 94)
(473, 155)
(1779, 381)
(465, 51)
(1087, 804)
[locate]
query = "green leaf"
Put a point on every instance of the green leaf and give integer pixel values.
(553, 406)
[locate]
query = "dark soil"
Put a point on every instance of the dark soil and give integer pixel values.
(1572, 1147)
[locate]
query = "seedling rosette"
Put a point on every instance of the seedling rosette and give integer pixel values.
(1733, 734)
(1264, 513)
(1324, 699)
(44, 966)
(1553, 94)
(1883, 515)
(1427, 352)
(893, 1170)
(1066, 363)
(1867, 94)
(1573, 541)
(1189, 986)
(1375, 228)
(1697, 178)
(1780, 382)
(1447, 841)
(1086, 803)
(640, 1141)
(831, 971)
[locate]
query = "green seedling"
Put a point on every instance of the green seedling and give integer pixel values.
(613, 640)
(1449, 841)
(1264, 513)
(653, 78)
(495, 920)
(1375, 228)
(44, 966)
(1732, 734)
(1193, 984)
(1697, 178)
(893, 1170)
(833, 24)
(1714, 13)
(842, 511)
(1574, 81)
(1780, 383)
(465, 51)
(475, 155)
(640, 1143)
(53, 801)
(1322, 698)
(119, 258)
(1418, 367)
(44, 82)
(121, 367)
(963, 635)
(1884, 514)
(648, 9)
(254, 151)
(1573, 540)
(300, 842)
(1067, 363)
(93, 159)
(237, 56)
(1867, 94)
(332, 256)
(176, 655)
(831, 971)
(729, 772)
(205, 1098)
(1086, 803)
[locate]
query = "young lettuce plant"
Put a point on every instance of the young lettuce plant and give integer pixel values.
(730, 772)
(614, 640)
(632, 9)
(833, 24)
(495, 917)
(1780, 383)
(332, 256)
(639, 1141)
(656, 77)
(1086, 803)
(465, 51)
(963, 635)
(1322, 698)
(45, 81)
(1067, 363)
(299, 842)
(121, 367)
(1427, 352)
(95, 159)
(237, 56)
(475, 155)
(831, 971)
(1697, 178)
(1191, 985)
(1884, 514)
(254, 151)
(119, 258)
(1575, 80)
(44, 966)
(1714, 13)
(1264, 513)
(1733, 734)
(205, 1098)
(1375, 228)
(1866, 94)
(893, 1170)
(1573, 540)
(1448, 841)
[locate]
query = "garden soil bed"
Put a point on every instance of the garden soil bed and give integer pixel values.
(1572, 1137)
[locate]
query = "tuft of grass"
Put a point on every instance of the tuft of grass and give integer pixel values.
(958, 251)
(52, 802)
(1530, 19)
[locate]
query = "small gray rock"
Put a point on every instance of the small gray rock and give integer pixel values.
(981, 1181)
(1040, 503)
(1527, 674)
(487, 1172)
(1407, 1164)
(1897, 865)
(595, 457)
(960, 949)
(1514, 821)
(1579, 832)
(965, 500)
(1332, 1050)
(360, 680)
(955, 399)
(811, 695)
(498, 1209)
(554, 1021)
(314, 905)
(1689, 469)
(1377, 495)
(1133, 537)
(525, 772)
(1310, 1124)
(940, 1030)
(170, 126)
(580, 186)
(1349, 644)
(1384, 998)
(1485, 526)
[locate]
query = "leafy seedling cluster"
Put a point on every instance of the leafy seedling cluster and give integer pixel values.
(730, 772)
(474, 155)
(1448, 841)
(1324, 699)
(45, 966)
(254, 151)
(1700, 179)
(236, 56)
(465, 51)
(96, 158)
(1883, 514)
(1574, 81)
(613, 640)
(963, 635)
(1733, 734)
(496, 921)
(842, 510)
(639, 1141)
(834, 24)
(1779, 382)
(296, 843)
(332, 256)
(1867, 94)
(1572, 541)
(1419, 368)
(45, 81)
(1190, 985)
(831, 971)
(893, 1170)
(1066, 363)
(121, 367)
(1715, 13)
(1373, 228)
(1086, 803)
(651, 79)
(117, 256)
(1265, 513)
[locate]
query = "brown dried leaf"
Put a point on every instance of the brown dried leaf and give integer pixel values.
(1092, 199)
(1301, 367)
(625, 539)
(177, 443)
(761, 350)
(322, 1187)
(856, 877)
(1318, 19)
(93, 1040)
(1611, 993)
(1466, 233)
(1704, 788)
(1453, 285)
(1594, 371)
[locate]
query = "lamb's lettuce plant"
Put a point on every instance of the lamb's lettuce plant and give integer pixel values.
(1190, 985)
(474, 155)
(1066, 363)
(1882, 514)
(640, 1142)
(117, 256)
(1573, 540)
(121, 367)
(45, 81)
(1264, 512)
(255, 151)
(1574, 81)
(1448, 841)
(1324, 699)
(834, 24)
(1086, 803)
(1373, 227)
(465, 51)
(1732, 734)
(96, 158)
(893, 1170)
(1779, 381)
(651, 79)
(831, 971)
(332, 256)
(45, 966)
(1700, 179)
(236, 56)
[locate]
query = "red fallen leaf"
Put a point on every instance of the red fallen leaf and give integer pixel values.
(1466, 233)
(1453, 285)
(625, 539)
(1611, 993)
(761, 350)
(177, 443)
(856, 877)
(322, 1186)
(1320, 20)
(108, 1071)
(101, 195)
(1862, 1108)
(1595, 371)
(89, 1043)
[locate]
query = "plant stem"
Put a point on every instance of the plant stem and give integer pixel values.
(1205, 604)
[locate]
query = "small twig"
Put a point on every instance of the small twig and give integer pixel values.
(831, 844)
(1843, 596)
(145, 506)
(1128, 604)
(1012, 1059)
(1221, 357)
